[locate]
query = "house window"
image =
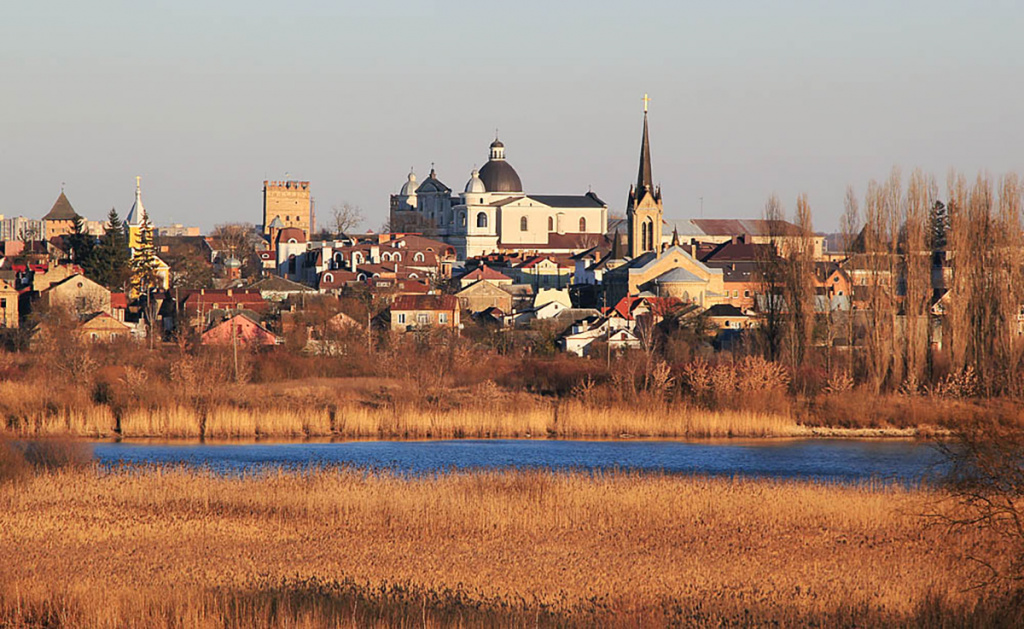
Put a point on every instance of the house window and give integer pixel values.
(3, 304)
(736, 293)
(443, 317)
(423, 318)
(523, 226)
(401, 317)
(746, 293)
(481, 219)
(583, 224)
(551, 224)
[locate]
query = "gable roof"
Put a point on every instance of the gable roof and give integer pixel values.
(485, 272)
(61, 210)
(482, 287)
(425, 302)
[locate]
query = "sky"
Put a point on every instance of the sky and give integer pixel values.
(207, 99)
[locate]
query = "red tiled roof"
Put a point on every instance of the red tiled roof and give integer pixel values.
(425, 302)
(486, 273)
(118, 301)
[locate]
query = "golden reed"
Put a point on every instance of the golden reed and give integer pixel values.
(172, 548)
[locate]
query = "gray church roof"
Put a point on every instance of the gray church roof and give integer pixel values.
(678, 275)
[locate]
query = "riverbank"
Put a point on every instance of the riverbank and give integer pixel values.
(162, 547)
(379, 408)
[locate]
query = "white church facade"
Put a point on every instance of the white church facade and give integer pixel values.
(493, 214)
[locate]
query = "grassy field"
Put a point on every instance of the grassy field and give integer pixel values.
(175, 548)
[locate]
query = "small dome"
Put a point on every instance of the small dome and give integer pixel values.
(232, 263)
(475, 184)
(497, 144)
(409, 188)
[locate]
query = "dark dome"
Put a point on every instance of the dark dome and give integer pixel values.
(499, 176)
(497, 144)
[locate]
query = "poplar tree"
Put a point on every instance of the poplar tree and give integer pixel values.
(144, 263)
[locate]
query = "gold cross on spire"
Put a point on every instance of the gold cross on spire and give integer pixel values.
(646, 100)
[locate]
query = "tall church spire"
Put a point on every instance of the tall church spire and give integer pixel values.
(643, 208)
(644, 180)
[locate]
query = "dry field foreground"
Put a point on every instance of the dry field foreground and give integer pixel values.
(169, 548)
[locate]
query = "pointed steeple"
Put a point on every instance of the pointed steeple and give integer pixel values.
(675, 236)
(644, 180)
(138, 212)
(618, 251)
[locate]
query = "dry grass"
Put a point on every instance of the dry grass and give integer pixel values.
(168, 548)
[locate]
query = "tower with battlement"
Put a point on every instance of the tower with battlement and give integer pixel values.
(289, 202)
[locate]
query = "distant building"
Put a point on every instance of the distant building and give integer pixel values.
(289, 203)
(21, 228)
(177, 230)
(240, 328)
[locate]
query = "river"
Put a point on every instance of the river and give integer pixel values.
(819, 459)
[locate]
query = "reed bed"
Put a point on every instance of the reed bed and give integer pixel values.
(521, 417)
(171, 547)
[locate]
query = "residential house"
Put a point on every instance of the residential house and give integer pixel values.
(77, 294)
(482, 295)
(9, 316)
(411, 312)
(241, 328)
(101, 327)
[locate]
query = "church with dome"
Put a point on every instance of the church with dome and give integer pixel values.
(493, 213)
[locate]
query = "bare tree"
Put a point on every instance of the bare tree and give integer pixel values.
(346, 218)
(772, 278)
(917, 277)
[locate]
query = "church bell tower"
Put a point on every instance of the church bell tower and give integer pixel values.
(643, 208)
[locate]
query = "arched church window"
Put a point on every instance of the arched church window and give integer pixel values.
(397, 257)
(291, 264)
(418, 257)
(551, 224)
(643, 236)
(481, 219)
(583, 224)
(523, 225)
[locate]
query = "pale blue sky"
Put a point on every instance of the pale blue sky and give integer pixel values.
(206, 99)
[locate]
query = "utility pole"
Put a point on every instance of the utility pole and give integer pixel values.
(234, 343)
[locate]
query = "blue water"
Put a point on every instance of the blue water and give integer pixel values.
(830, 460)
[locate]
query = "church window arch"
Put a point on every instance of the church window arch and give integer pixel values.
(551, 223)
(357, 257)
(462, 219)
(292, 241)
(361, 277)
(524, 225)
(414, 275)
(396, 256)
(329, 278)
(643, 236)
(418, 257)
(291, 264)
(583, 223)
(481, 219)
(339, 259)
(385, 256)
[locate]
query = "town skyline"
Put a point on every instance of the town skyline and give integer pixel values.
(746, 102)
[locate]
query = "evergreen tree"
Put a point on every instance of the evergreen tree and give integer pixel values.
(110, 258)
(144, 263)
(938, 219)
(81, 244)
